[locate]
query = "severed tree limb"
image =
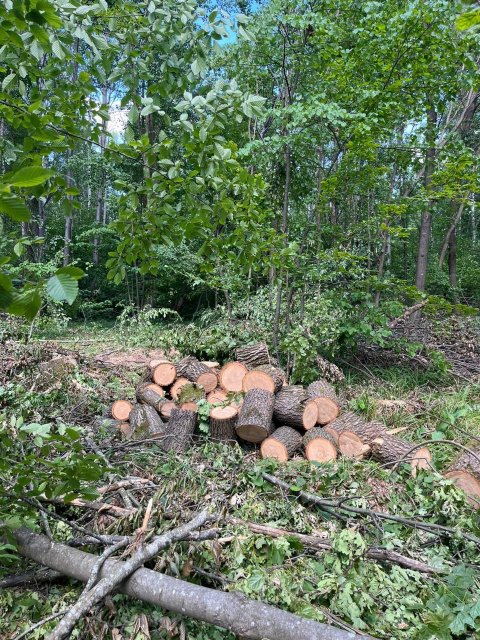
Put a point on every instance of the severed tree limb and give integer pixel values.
(315, 542)
(29, 578)
(407, 313)
(124, 570)
(334, 505)
(247, 618)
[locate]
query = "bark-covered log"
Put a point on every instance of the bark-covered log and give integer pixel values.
(222, 423)
(350, 445)
(151, 394)
(255, 417)
(145, 421)
(246, 618)
(179, 431)
(166, 409)
(366, 431)
(197, 372)
(253, 355)
(282, 444)
(177, 386)
(264, 377)
(389, 450)
(121, 410)
(464, 472)
(294, 409)
(319, 445)
(217, 396)
(231, 376)
(164, 374)
(326, 400)
(183, 365)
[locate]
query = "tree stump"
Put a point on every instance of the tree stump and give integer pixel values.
(464, 472)
(121, 410)
(222, 423)
(294, 409)
(164, 374)
(253, 355)
(231, 376)
(282, 444)
(255, 417)
(326, 400)
(264, 377)
(179, 431)
(319, 445)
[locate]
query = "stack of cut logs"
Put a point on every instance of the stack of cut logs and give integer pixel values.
(250, 399)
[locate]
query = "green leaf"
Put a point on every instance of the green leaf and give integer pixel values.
(73, 272)
(30, 177)
(468, 20)
(26, 304)
(14, 207)
(62, 287)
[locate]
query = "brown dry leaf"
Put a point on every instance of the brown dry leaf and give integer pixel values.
(140, 630)
(116, 635)
(169, 625)
(187, 568)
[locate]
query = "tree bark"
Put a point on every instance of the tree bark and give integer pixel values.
(249, 619)
(255, 417)
(451, 229)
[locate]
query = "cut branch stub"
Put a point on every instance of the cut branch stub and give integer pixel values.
(293, 408)
(326, 400)
(264, 377)
(282, 444)
(253, 355)
(389, 450)
(223, 421)
(164, 374)
(464, 472)
(231, 376)
(121, 410)
(255, 417)
(177, 387)
(319, 445)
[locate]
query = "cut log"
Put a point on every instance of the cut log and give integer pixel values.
(121, 410)
(255, 417)
(223, 421)
(149, 394)
(177, 386)
(293, 408)
(350, 445)
(253, 355)
(217, 396)
(319, 445)
(179, 433)
(164, 374)
(145, 421)
(264, 377)
(166, 409)
(211, 364)
(366, 431)
(389, 450)
(197, 372)
(282, 444)
(189, 406)
(464, 472)
(231, 376)
(326, 400)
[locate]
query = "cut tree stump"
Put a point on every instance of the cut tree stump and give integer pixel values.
(222, 424)
(282, 444)
(253, 355)
(319, 445)
(151, 394)
(121, 410)
(164, 374)
(464, 472)
(231, 376)
(326, 400)
(177, 386)
(145, 421)
(294, 409)
(264, 377)
(255, 417)
(389, 450)
(179, 431)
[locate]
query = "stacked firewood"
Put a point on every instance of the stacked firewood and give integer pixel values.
(250, 399)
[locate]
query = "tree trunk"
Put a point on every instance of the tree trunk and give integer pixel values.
(179, 431)
(451, 229)
(222, 424)
(426, 222)
(255, 417)
(145, 422)
(100, 209)
(452, 259)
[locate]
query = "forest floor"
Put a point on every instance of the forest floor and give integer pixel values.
(340, 585)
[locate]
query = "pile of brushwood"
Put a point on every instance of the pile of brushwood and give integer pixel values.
(191, 534)
(250, 399)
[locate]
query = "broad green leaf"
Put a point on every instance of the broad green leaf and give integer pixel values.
(468, 20)
(30, 177)
(26, 304)
(14, 207)
(62, 287)
(73, 272)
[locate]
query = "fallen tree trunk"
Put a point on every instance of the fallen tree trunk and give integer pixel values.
(242, 616)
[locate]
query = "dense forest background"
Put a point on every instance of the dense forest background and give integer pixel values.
(304, 168)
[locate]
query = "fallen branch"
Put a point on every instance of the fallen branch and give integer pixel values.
(40, 623)
(29, 577)
(332, 506)
(122, 571)
(407, 313)
(315, 542)
(242, 616)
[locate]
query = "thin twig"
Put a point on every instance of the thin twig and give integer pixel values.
(41, 623)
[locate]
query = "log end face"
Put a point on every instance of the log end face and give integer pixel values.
(121, 410)
(208, 381)
(350, 446)
(310, 415)
(258, 380)
(231, 376)
(320, 450)
(470, 485)
(271, 448)
(327, 410)
(164, 374)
